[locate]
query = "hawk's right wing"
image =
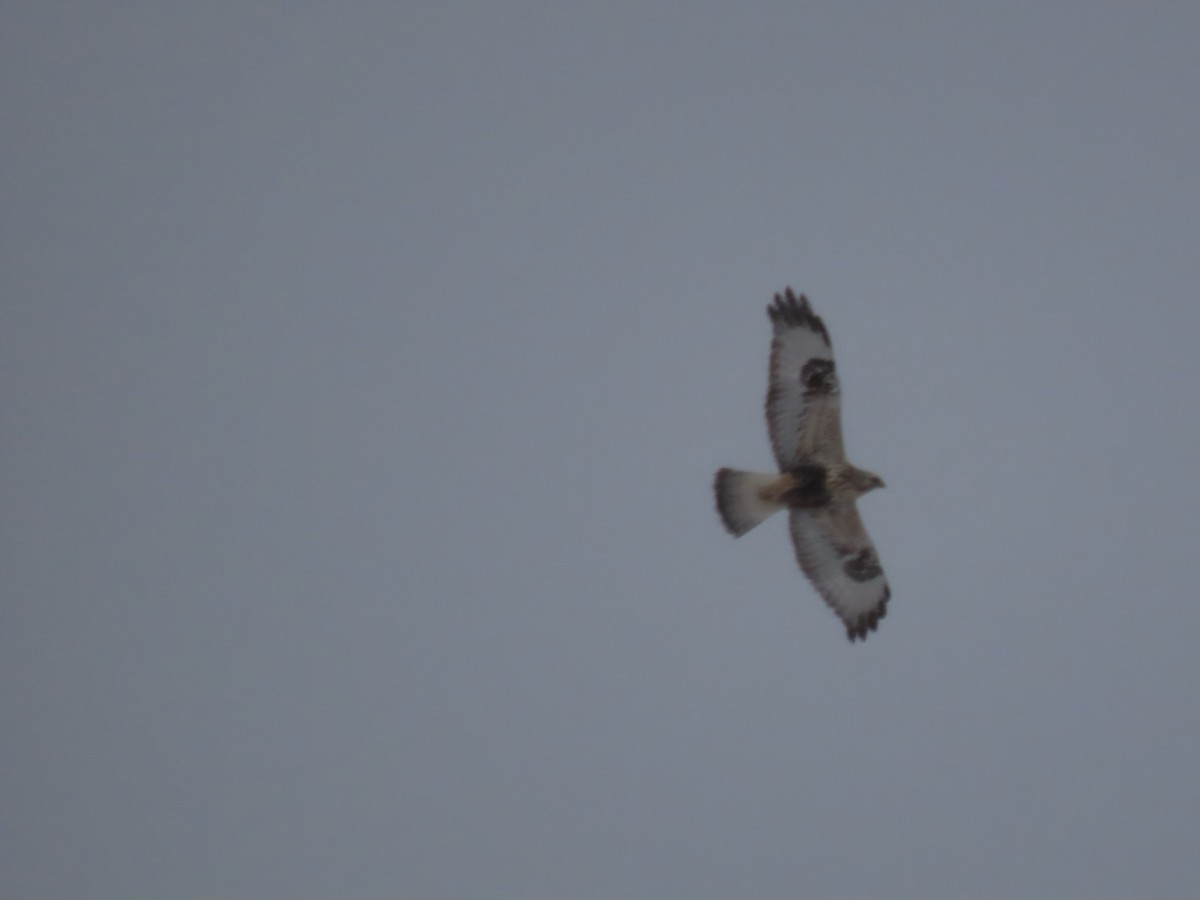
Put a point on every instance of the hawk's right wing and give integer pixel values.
(804, 415)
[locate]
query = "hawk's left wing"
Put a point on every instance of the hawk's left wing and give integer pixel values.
(837, 555)
(804, 416)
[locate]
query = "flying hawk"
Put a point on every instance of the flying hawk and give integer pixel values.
(815, 482)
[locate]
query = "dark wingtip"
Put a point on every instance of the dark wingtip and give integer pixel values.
(791, 311)
(787, 305)
(869, 621)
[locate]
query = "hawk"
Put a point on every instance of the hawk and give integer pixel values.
(815, 483)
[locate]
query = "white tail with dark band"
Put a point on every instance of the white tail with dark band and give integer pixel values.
(740, 501)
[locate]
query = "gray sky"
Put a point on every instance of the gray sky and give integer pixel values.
(363, 372)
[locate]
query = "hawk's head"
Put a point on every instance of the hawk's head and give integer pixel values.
(861, 481)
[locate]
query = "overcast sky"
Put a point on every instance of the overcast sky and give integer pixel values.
(363, 371)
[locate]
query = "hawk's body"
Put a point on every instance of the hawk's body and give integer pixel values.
(815, 482)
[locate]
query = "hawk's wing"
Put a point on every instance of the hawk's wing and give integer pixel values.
(803, 395)
(837, 555)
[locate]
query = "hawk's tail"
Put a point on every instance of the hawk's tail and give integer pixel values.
(740, 501)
